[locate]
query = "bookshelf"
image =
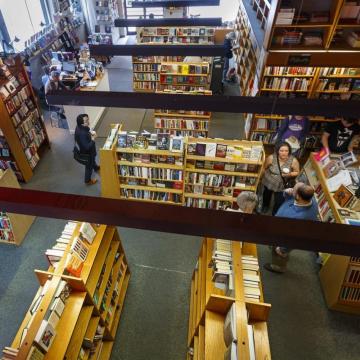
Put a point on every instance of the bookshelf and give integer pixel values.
(85, 325)
(182, 122)
(136, 167)
(13, 227)
(176, 35)
(23, 135)
(339, 275)
(209, 306)
(217, 170)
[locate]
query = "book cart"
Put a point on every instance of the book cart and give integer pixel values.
(13, 227)
(210, 305)
(23, 135)
(95, 300)
(196, 179)
(339, 275)
(278, 55)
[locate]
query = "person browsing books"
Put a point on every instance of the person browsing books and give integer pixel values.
(85, 140)
(228, 45)
(246, 201)
(340, 136)
(293, 129)
(299, 204)
(280, 168)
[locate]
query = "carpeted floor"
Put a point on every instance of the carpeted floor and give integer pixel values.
(153, 325)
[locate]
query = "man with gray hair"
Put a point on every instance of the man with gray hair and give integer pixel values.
(299, 204)
(247, 202)
(228, 45)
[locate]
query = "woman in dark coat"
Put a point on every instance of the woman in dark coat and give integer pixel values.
(84, 138)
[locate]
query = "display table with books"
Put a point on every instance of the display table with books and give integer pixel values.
(228, 316)
(336, 180)
(176, 170)
(76, 311)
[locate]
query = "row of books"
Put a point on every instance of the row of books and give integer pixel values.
(183, 112)
(215, 180)
(192, 133)
(6, 231)
(287, 37)
(150, 173)
(325, 211)
(338, 84)
(294, 84)
(144, 85)
(207, 204)
(156, 60)
(178, 40)
(185, 69)
(146, 77)
(353, 274)
(138, 159)
(266, 138)
(266, 124)
(179, 123)
(350, 294)
(333, 71)
(161, 184)
(180, 89)
(218, 150)
(289, 70)
(192, 165)
(150, 195)
(146, 140)
(178, 31)
(183, 80)
(285, 16)
(146, 67)
(8, 90)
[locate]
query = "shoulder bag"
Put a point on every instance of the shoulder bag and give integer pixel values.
(289, 182)
(81, 158)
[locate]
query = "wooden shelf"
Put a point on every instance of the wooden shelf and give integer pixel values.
(283, 90)
(153, 165)
(151, 201)
(224, 160)
(307, 25)
(233, 173)
(210, 197)
(290, 76)
(182, 129)
(152, 179)
(182, 115)
(151, 188)
(149, 151)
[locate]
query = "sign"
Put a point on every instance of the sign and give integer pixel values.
(299, 60)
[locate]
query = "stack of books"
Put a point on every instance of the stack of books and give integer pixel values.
(313, 38)
(251, 278)
(223, 266)
(285, 16)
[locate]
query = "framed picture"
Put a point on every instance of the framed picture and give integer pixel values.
(45, 335)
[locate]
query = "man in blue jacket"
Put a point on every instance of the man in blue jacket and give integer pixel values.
(299, 204)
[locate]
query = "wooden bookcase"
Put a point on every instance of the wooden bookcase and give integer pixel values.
(339, 275)
(22, 130)
(209, 306)
(17, 225)
(202, 171)
(176, 35)
(126, 176)
(184, 123)
(82, 313)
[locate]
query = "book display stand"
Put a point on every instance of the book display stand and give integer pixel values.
(76, 317)
(178, 170)
(339, 275)
(278, 57)
(212, 331)
(23, 135)
(13, 227)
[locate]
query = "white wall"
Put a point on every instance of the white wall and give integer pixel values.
(227, 10)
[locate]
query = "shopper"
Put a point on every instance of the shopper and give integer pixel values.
(339, 135)
(246, 201)
(280, 170)
(293, 129)
(54, 82)
(299, 204)
(84, 138)
(229, 38)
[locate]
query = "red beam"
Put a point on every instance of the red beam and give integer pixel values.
(296, 234)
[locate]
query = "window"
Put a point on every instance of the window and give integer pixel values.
(22, 19)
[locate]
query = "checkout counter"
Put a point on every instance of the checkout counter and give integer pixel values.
(84, 74)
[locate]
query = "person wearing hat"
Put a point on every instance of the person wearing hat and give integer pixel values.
(228, 45)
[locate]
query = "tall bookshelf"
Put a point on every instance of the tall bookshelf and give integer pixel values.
(209, 306)
(216, 171)
(13, 227)
(169, 177)
(23, 135)
(176, 35)
(339, 275)
(102, 285)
